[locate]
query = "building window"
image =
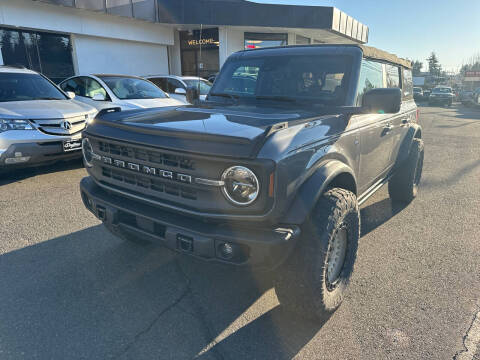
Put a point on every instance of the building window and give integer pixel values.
(199, 52)
(302, 40)
(263, 40)
(47, 53)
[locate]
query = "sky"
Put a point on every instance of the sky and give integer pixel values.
(414, 28)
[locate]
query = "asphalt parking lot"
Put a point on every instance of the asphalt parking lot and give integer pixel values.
(70, 290)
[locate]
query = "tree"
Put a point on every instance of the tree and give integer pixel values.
(417, 68)
(434, 67)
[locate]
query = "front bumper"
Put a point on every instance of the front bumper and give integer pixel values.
(32, 154)
(260, 247)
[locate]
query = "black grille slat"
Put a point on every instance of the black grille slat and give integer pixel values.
(155, 185)
(150, 156)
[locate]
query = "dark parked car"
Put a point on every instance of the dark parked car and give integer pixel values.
(418, 93)
(466, 97)
(268, 174)
(441, 95)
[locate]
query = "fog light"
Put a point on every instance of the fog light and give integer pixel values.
(226, 250)
(16, 160)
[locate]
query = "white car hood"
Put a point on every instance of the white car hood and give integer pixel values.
(43, 109)
(151, 103)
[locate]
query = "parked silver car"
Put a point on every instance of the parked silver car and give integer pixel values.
(176, 86)
(127, 92)
(38, 122)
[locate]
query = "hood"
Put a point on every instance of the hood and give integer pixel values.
(235, 132)
(43, 109)
(150, 103)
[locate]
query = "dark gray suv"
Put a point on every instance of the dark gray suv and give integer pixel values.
(269, 172)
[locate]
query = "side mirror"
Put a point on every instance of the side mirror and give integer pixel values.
(98, 97)
(180, 91)
(71, 94)
(192, 95)
(382, 101)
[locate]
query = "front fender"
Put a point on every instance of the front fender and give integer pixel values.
(414, 131)
(311, 190)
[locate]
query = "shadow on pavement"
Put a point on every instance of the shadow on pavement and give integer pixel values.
(90, 295)
(10, 176)
(376, 214)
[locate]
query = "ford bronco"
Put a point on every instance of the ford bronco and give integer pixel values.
(270, 170)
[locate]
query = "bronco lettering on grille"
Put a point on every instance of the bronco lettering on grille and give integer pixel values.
(167, 174)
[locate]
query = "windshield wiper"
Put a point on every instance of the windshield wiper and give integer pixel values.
(226, 95)
(275, 98)
(47, 98)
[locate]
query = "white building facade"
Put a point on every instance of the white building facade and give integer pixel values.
(61, 38)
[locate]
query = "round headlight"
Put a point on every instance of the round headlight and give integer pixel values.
(87, 151)
(240, 186)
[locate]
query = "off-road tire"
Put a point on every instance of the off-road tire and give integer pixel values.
(301, 283)
(403, 186)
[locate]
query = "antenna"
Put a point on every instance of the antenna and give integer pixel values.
(199, 59)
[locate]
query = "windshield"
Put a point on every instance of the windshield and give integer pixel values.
(133, 88)
(24, 87)
(442, 90)
(205, 86)
(288, 78)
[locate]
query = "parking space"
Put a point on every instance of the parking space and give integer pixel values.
(70, 290)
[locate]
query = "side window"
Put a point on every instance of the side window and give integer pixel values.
(173, 84)
(76, 85)
(93, 87)
(371, 77)
(407, 84)
(393, 76)
(160, 82)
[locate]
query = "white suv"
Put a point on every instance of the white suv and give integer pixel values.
(38, 122)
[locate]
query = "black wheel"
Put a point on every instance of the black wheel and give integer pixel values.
(403, 186)
(314, 278)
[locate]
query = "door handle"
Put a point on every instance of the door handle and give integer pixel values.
(386, 129)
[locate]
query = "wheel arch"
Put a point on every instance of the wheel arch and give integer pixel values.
(333, 173)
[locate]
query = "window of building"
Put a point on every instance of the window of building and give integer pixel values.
(199, 51)
(263, 40)
(47, 53)
(392, 73)
(371, 77)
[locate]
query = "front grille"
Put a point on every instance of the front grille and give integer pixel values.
(55, 126)
(144, 182)
(149, 156)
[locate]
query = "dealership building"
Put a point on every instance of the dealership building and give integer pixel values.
(61, 38)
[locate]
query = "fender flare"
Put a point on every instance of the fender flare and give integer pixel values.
(413, 132)
(312, 188)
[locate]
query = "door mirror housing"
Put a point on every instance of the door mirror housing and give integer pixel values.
(180, 91)
(98, 97)
(71, 95)
(382, 101)
(193, 95)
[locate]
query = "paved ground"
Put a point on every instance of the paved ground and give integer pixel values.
(69, 290)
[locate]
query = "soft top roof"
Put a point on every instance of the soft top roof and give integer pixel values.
(374, 53)
(368, 52)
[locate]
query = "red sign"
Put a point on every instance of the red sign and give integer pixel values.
(472, 73)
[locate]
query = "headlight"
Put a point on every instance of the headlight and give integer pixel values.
(14, 124)
(241, 186)
(87, 151)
